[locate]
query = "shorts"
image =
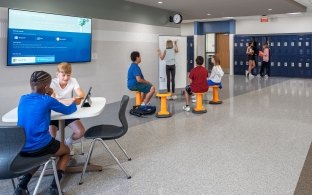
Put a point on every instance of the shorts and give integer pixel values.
(52, 147)
(142, 87)
(188, 90)
(211, 83)
(67, 122)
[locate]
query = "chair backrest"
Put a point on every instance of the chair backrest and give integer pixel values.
(12, 140)
(122, 113)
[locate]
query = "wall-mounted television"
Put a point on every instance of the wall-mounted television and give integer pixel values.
(43, 38)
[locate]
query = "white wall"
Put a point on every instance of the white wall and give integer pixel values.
(112, 43)
(291, 24)
(187, 29)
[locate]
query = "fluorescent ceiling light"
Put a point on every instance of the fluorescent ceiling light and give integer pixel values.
(160, 2)
(295, 13)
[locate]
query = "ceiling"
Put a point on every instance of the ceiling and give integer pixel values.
(198, 9)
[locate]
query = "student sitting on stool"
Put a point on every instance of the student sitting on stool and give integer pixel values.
(198, 82)
(216, 72)
(136, 81)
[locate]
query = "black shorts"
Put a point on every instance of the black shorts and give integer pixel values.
(51, 148)
(188, 90)
(67, 122)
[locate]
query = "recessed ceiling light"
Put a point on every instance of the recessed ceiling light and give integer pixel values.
(208, 14)
(160, 2)
(295, 13)
(270, 9)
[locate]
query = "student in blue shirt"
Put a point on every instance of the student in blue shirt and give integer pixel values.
(136, 81)
(39, 142)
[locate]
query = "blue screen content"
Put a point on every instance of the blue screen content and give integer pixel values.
(40, 38)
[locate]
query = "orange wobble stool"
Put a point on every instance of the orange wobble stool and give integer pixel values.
(215, 95)
(199, 108)
(163, 113)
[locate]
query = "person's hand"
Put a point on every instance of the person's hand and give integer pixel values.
(77, 100)
(49, 91)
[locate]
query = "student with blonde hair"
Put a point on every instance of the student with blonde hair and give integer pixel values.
(65, 87)
(169, 56)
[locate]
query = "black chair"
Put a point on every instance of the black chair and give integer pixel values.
(12, 165)
(108, 132)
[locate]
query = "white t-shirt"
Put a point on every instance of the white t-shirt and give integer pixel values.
(216, 74)
(68, 91)
(170, 60)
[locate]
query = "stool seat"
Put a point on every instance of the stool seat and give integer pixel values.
(199, 108)
(215, 95)
(163, 113)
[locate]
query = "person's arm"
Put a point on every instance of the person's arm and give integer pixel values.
(79, 92)
(62, 108)
(161, 55)
(141, 80)
(213, 72)
(176, 50)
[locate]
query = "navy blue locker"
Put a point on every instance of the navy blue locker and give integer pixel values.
(307, 68)
(301, 70)
(292, 67)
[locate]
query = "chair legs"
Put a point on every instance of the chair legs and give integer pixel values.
(52, 160)
(124, 151)
(107, 148)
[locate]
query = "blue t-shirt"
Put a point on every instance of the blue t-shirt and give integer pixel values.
(34, 114)
(134, 71)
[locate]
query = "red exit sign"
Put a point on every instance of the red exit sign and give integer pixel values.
(264, 19)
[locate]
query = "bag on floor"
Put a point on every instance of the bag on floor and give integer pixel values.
(143, 110)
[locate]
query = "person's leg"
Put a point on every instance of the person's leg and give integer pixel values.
(168, 77)
(149, 95)
(173, 72)
(53, 130)
(78, 130)
(262, 69)
(64, 157)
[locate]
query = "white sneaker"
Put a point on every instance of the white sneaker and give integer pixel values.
(169, 98)
(194, 100)
(258, 75)
(251, 76)
(174, 97)
(266, 76)
(193, 96)
(186, 108)
(246, 73)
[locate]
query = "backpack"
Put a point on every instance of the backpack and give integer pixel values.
(141, 111)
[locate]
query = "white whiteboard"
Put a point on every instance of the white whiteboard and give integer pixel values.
(181, 62)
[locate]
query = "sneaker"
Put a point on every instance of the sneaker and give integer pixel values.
(174, 97)
(251, 76)
(246, 73)
(266, 76)
(193, 96)
(169, 97)
(53, 191)
(194, 100)
(21, 191)
(186, 108)
(258, 75)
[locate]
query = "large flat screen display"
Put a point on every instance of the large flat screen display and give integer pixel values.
(41, 38)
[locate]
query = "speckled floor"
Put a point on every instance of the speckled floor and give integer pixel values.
(256, 142)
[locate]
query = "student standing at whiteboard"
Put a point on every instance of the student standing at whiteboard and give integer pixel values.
(169, 56)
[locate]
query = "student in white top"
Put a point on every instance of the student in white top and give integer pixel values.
(65, 87)
(216, 72)
(169, 56)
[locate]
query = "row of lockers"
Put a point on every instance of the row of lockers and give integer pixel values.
(280, 45)
(290, 55)
(286, 67)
